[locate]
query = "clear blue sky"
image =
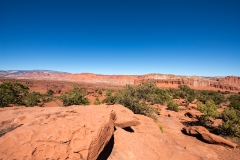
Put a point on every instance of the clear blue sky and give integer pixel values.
(183, 37)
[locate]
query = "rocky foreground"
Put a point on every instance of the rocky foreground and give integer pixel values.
(102, 132)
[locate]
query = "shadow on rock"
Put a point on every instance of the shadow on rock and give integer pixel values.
(128, 129)
(198, 136)
(107, 150)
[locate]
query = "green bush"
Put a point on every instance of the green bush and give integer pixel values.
(159, 96)
(235, 104)
(32, 99)
(50, 92)
(109, 92)
(97, 101)
(190, 98)
(176, 93)
(171, 105)
(234, 97)
(209, 111)
(205, 95)
(186, 90)
(183, 92)
(231, 122)
(139, 98)
(109, 100)
(231, 117)
(12, 93)
(46, 98)
(75, 97)
(6, 97)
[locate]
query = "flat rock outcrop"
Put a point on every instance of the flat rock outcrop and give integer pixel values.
(77, 132)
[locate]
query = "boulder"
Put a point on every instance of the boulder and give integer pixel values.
(207, 136)
(125, 118)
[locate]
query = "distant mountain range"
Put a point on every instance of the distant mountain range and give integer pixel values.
(28, 71)
(163, 80)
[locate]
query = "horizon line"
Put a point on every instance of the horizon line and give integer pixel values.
(46, 70)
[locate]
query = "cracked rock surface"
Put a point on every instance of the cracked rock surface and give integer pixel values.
(76, 132)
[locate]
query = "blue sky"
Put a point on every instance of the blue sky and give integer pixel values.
(182, 37)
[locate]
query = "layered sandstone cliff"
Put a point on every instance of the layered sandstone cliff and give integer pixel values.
(231, 83)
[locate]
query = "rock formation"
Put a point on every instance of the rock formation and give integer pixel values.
(92, 132)
(230, 83)
(207, 136)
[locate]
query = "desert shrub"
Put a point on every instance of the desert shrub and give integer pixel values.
(183, 92)
(32, 99)
(99, 92)
(209, 111)
(109, 99)
(171, 91)
(50, 92)
(12, 93)
(204, 95)
(75, 97)
(171, 105)
(231, 122)
(187, 90)
(178, 94)
(133, 99)
(234, 97)
(46, 98)
(231, 117)
(109, 92)
(235, 104)
(139, 98)
(190, 98)
(97, 101)
(6, 97)
(149, 92)
(159, 96)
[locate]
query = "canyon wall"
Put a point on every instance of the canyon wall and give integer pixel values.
(230, 83)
